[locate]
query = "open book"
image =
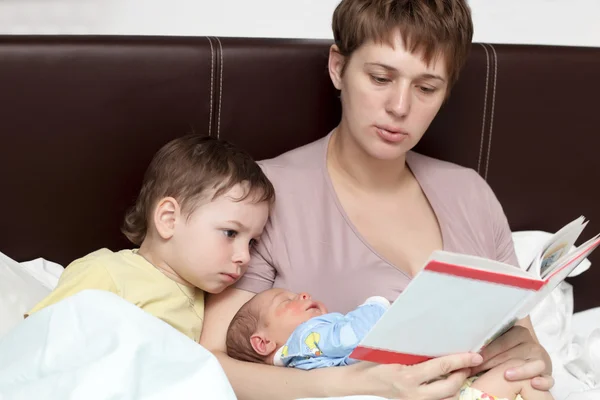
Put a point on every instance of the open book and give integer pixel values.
(459, 303)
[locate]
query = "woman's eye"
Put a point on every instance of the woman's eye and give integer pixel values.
(426, 89)
(252, 243)
(230, 233)
(379, 80)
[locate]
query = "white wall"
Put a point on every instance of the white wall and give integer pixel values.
(561, 22)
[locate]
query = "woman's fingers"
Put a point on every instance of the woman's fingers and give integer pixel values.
(517, 343)
(543, 383)
(439, 367)
(519, 352)
(533, 354)
(530, 369)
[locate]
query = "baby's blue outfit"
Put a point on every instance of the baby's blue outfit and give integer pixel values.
(328, 340)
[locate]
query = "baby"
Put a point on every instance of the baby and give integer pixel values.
(292, 330)
(203, 203)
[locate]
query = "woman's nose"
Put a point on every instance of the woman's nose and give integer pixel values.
(400, 101)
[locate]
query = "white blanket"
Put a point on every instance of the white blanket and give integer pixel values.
(95, 345)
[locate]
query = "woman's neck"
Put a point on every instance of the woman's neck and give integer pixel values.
(348, 161)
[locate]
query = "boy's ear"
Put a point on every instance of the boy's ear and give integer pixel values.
(166, 213)
(336, 66)
(262, 345)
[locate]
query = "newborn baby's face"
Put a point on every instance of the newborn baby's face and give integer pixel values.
(283, 311)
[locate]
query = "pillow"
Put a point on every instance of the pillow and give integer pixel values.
(20, 290)
(44, 271)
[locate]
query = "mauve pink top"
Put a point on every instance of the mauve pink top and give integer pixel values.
(310, 245)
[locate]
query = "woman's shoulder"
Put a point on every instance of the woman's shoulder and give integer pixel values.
(306, 159)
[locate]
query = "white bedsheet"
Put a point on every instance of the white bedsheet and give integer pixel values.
(95, 345)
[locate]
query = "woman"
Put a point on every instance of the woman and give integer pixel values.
(358, 213)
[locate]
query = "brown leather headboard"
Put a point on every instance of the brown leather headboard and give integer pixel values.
(80, 118)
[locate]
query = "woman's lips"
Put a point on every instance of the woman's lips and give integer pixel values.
(391, 135)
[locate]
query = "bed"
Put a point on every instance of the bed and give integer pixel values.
(81, 116)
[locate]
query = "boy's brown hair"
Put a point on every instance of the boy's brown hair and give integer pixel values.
(243, 325)
(192, 168)
(432, 27)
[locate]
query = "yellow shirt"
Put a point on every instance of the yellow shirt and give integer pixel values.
(130, 276)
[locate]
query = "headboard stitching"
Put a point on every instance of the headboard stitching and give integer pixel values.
(220, 89)
(212, 67)
(487, 78)
(489, 151)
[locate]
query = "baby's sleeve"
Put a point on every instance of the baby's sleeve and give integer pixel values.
(344, 333)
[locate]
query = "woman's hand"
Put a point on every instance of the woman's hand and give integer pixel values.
(436, 379)
(519, 343)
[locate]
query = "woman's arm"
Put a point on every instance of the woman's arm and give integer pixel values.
(265, 382)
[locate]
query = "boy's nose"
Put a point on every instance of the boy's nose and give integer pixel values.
(241, 256)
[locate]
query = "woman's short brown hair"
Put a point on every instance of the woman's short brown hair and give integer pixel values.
(431, 27)
(189, 169)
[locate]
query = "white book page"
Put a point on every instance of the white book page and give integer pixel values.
(586, 248)
(557, 247)
(441, 314)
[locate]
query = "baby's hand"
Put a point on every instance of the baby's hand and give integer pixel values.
(377, 299)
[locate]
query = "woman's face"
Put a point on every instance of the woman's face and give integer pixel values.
(389, 96)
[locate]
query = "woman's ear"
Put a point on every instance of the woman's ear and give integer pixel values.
(262, 345)
(336, 66)
(166, 213)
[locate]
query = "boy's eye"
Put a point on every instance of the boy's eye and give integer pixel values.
(230, 233)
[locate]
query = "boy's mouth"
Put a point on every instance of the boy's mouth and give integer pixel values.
(232, 277)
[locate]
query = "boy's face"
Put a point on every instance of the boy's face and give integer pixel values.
(210, 249)
(284, 311)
